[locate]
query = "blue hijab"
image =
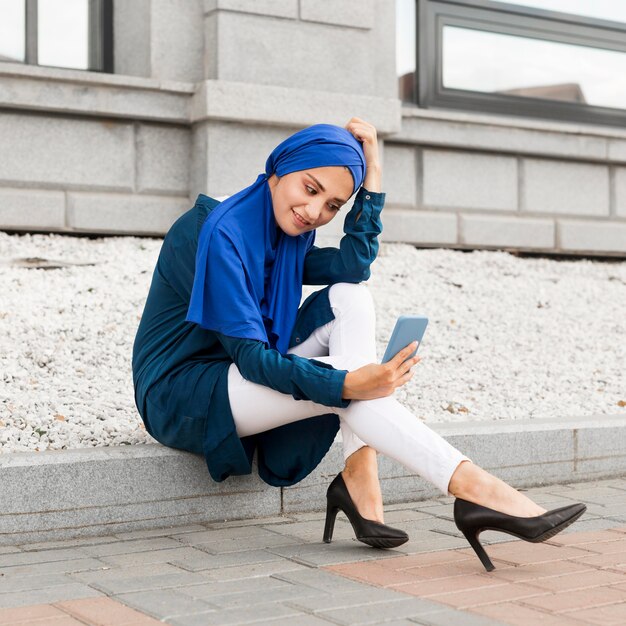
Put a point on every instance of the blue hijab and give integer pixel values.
(248, 277)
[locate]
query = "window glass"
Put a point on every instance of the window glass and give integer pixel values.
(490, 62)
(12, 30)
(405, 49)
(614, 10)
(63, 33)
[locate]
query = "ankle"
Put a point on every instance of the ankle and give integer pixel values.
(472, 483)
(358, 471)
(361, 477)
(487, 490)
(361, 462)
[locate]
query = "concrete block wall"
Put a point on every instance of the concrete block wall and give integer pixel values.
(475, 181)
(341, 47)
(159, 38)
(56, 494)
(204, 89)
(92, 175)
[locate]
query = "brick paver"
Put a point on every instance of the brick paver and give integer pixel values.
(519, 615)
(575, 578)
(92, 611)
(277, 571)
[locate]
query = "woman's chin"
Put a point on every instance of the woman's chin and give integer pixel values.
(291, 229)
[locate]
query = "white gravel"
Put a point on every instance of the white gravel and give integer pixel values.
(508, 337)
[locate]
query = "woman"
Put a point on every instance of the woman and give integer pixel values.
(225, 363)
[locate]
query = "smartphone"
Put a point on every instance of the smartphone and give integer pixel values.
(408, 328)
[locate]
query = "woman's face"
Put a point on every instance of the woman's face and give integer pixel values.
(310, 198)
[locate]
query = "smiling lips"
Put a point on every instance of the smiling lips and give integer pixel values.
(299, 220)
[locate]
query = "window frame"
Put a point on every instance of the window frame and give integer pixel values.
(100, 36)
(508, 19)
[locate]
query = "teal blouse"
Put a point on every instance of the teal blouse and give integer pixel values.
(180, 369)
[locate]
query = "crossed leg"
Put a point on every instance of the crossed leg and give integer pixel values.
(367, 426)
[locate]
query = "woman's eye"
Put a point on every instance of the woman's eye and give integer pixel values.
(313, 191)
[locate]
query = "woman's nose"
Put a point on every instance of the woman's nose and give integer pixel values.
(312, 211)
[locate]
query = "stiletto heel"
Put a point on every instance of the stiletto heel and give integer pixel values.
(471, 519)
(331, 514)
(368, 531)
(480, 551)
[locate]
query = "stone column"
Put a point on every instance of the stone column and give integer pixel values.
(159, 39)
(275, 66)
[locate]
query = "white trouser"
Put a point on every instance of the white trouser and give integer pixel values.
(348, 342)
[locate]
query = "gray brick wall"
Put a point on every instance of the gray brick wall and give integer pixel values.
(564, 187)
(469, 180)
(204, 89)
(66, 153)
(509, 232)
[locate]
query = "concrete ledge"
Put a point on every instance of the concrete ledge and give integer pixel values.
(94, 94)
(289, 106)
(512, 135)
(100, 491)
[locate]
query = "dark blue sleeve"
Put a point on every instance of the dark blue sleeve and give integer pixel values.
(350, 263)
(304, 379)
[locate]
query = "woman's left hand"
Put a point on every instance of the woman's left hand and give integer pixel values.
(366, 134)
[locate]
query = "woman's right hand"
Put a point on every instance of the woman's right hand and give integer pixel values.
(366, 133)
(378, 381)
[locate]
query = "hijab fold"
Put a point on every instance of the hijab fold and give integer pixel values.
(248, 275)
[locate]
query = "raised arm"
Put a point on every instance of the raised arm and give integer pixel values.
(350, 263)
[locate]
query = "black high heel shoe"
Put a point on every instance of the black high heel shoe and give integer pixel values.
(471, 519)
(368, 531)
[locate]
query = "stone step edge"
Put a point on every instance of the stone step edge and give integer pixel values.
(55, 495)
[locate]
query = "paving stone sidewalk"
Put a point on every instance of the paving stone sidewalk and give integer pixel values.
(278, 571)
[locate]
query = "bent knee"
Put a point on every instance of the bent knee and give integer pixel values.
(350, 295)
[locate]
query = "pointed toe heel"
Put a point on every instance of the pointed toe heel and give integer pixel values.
(471, 519)
(367, 531)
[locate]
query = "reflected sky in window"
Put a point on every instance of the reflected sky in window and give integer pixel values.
(12, 30)
(614, 10)
(405, 36)
(63, 33)
(492, 62)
